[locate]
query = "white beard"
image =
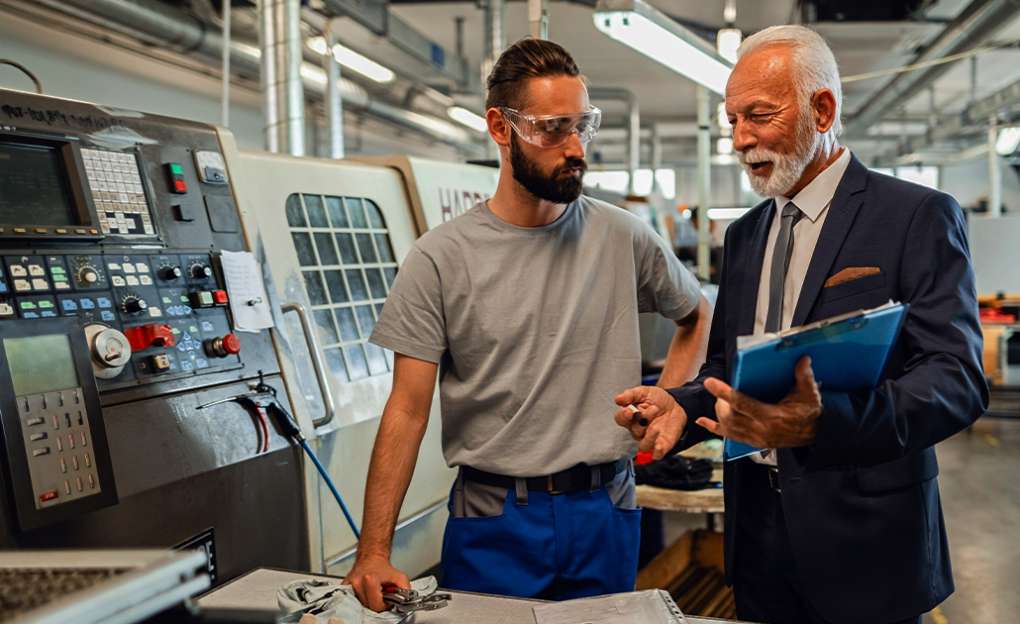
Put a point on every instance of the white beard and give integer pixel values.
(786, 168)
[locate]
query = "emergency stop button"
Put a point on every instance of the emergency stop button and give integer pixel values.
(222, 346)
(46, 497)
(220, 297)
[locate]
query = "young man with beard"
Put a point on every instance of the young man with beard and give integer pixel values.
(527, 306)
(839, 520)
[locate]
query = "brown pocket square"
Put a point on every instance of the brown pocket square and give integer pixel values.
(850, 274)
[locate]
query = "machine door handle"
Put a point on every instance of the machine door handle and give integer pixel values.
(317, 364)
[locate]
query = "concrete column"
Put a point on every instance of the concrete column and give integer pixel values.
(704, 179)
(994, 173)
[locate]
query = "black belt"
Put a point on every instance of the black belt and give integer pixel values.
(574, 479)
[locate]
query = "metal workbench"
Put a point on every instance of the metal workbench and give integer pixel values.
(257, 590)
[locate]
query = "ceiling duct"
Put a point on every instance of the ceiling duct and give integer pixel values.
(975, 24)
(375, 16)
(181, 32)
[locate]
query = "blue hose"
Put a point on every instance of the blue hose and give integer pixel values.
(332, 487)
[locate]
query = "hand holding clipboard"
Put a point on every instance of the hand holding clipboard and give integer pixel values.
(847, 352)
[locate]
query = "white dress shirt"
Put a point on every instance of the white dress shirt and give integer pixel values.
(814, 201)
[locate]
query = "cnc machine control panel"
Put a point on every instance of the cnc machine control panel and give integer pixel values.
(113, 221)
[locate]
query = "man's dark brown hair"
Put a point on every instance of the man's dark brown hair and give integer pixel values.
(528, 58)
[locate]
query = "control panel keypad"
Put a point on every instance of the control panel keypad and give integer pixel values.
(173, 304)
(37, 307)
(28, 274)
(117, 192)
(58, 444)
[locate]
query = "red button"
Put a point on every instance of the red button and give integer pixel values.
(180, 186)
(231, 344)
(220, 296)
(152, 335)
(47, 496)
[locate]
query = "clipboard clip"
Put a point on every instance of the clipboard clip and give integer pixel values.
(823, 332)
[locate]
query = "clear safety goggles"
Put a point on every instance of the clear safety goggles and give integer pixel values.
(554, 130)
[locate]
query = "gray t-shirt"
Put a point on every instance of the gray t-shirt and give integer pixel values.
(535, 330)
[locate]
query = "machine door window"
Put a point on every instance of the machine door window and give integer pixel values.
(348, 266)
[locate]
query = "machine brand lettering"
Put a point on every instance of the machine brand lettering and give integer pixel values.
(455, 202)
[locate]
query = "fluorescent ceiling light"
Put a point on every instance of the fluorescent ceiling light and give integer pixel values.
(354, 61)
(650, 32)
(727, 40)
(721, 214)
(1008, 140)
(466, 117)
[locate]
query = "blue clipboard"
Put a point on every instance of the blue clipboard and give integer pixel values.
(848, 352)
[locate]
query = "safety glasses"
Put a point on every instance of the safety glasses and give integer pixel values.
(548, 131)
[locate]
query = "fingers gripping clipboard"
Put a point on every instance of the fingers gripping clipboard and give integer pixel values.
(848, 352)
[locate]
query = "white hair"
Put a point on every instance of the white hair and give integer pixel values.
(814, 65)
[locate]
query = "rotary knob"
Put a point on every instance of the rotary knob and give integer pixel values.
(170, 273)
(110, 350)
(133, 305)
(201, 271)
(88, 275)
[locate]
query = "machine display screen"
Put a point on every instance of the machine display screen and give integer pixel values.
(41, 363)
(34, 189)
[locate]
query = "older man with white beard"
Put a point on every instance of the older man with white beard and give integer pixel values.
(839, 519)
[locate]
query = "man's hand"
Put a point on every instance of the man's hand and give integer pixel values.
(368, 576)
(659, 421)
(790, 423)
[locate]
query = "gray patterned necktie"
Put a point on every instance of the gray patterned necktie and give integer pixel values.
(780, 262)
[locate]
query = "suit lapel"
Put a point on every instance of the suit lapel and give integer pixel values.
(752, 274)
(845, 204)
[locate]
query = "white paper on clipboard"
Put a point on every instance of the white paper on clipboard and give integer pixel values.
(247, 290)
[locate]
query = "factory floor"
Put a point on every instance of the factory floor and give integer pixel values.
(980, 485)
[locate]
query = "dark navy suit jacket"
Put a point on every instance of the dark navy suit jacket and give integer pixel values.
(862, 503)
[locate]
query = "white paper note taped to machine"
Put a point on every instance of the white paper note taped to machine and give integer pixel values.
(247, 290)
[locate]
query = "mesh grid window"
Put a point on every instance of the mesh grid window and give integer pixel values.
(348, 266)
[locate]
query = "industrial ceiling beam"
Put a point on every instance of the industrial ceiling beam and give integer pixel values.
(973, 121)
(980, 20)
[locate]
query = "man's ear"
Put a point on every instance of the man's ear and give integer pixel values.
(823, 107)
(499, 129)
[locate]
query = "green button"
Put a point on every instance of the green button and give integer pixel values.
(176, 169)
(167, 300)
(57, 270)
(45, 305)
(184, 299)
(26, 305)
(205, 297)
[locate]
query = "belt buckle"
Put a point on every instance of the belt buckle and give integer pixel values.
(550, 486)
(774, 480)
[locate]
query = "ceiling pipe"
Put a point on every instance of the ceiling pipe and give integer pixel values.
(334, 103)
(282, 90)
(494, 40)
(183, 33)
(977, 22)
